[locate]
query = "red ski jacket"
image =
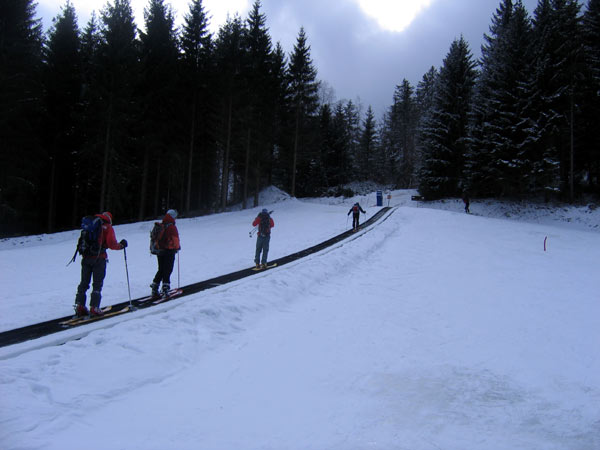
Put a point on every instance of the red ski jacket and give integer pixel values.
(170, 238)
(107, 237)
(257, 221)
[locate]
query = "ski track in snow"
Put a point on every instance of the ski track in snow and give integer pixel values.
(432, 330)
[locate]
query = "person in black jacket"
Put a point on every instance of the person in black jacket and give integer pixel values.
(466, 201)
(356, 210)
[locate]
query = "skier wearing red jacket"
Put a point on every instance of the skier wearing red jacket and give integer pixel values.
(263, 237)
(168, 246)
(93, 268)
(356, 210)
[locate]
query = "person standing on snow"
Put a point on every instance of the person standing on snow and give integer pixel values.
(168, 246)
(93, 268)
(466, 201)
(263, 237)
(356, 210)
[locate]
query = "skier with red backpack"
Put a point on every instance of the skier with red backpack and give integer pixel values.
(164, 243)
(263, 237)
(355, 210)
(96, 237)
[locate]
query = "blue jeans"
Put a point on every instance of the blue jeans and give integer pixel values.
(262, 245)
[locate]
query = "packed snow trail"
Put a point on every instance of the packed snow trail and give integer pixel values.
(435, 330)
(35, 331)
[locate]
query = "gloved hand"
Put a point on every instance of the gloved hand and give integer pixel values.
(123, 243)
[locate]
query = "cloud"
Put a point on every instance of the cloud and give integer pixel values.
(360, 59)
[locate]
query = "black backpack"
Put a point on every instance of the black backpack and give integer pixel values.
(264, 227)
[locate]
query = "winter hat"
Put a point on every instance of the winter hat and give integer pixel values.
(107, 216)
(265, 210)
(172, 213)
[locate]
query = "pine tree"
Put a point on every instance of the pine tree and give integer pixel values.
(197, 77)
(425, 94)
(557, 43)
(339, 161)
(446, 130)
(303, 96)
(119, 75)
(230, 56)
(500, 160)
(279, 167)
(63, 80)
(368, 147)
(159, 124)
(352, 114)
(425, 100)
(591, 23)
(590, 105)
(89, 157)
(22, 156)
(262, 99)
(404, 123)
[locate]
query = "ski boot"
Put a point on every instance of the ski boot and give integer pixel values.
(81, 310)
(95, 311)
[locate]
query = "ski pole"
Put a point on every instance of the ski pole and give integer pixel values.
(178, 272)
(127, 273)
(253, 230)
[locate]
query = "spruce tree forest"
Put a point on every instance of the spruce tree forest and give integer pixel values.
(137, 118)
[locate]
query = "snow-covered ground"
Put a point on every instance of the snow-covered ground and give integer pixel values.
(433, 329)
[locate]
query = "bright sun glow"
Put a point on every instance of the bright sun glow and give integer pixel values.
(393, 15)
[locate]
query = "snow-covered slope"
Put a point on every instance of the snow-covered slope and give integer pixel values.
(435, 329)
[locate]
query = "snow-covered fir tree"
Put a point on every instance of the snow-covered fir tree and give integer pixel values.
(591, 102)
(557, 46)
(445, 132)
(499, 159)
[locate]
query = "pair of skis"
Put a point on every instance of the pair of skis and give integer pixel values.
(108, 310)
(269, 266)
(156, 299)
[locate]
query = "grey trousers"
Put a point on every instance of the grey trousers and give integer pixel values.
(91, 269)
(262, 244)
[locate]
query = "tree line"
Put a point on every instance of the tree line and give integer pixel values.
(134, 121)
(522, 122)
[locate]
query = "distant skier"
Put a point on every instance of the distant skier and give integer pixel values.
(166, 246)
(356, 210)
(466, 201)
(93, 267)
(263, 237)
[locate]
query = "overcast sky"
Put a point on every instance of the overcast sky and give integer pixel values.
(362, 49)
